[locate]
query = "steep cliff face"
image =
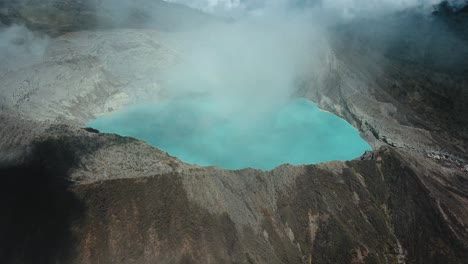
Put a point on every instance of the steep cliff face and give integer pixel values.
(133, 204)
(411, 100)
(76, 196)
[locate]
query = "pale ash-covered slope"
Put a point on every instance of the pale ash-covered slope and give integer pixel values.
(72, 196)
(83, 74)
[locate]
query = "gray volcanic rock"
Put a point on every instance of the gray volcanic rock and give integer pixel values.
(56, 17)
(98, 72)
(73, 196)
(388, 207)
(415, 103)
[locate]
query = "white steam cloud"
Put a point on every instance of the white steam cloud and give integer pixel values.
(20, 47)
(253, 62)
(252, 65)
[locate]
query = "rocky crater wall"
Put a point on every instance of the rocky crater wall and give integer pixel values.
(86, 197)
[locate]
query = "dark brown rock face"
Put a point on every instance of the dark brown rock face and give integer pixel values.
(380, 209)
(370, 212)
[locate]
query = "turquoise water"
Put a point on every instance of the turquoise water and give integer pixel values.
(204, 131)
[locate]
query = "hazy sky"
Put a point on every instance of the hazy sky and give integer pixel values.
(345, 7)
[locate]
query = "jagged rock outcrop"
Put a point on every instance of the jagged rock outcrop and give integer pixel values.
(69, 195)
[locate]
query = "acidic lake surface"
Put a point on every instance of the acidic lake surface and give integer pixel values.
(196, 131)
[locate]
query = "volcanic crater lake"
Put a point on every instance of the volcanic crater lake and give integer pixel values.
(200, 131)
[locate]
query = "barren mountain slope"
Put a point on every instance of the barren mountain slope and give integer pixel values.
(71, 195)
